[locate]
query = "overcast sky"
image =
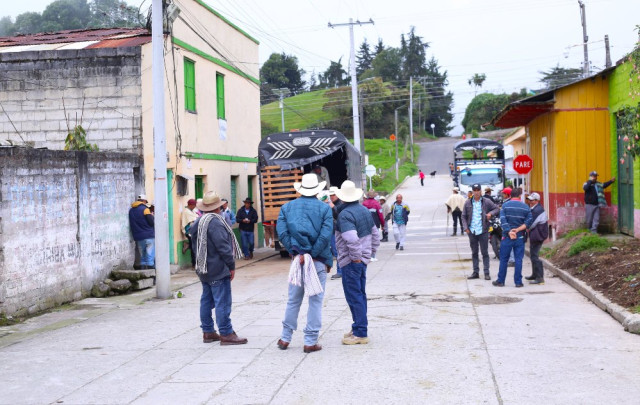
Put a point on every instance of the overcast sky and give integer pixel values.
(508, 40)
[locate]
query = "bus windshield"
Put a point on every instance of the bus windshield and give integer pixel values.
(469, 176)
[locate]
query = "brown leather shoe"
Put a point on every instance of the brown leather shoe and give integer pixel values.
(282, 345)
(208, 337)
(314, 348)
(232, 339)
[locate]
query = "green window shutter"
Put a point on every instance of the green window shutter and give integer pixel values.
(234, 193)
(220, 95)
(189, 85)
(199, 187)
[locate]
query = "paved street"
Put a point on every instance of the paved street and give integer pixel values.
(435, 338)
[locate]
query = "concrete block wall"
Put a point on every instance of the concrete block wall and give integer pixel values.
(44, 93)
(574, 217)
(64, 224)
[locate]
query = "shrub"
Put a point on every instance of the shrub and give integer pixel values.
(589, 242)
(575, 232)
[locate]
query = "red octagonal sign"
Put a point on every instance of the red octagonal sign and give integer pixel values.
(522, 164)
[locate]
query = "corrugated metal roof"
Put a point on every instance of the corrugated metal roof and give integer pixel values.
(76, 39)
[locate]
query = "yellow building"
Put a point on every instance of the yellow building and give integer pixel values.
(567, 136)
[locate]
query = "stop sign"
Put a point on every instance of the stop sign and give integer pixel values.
(522, 164)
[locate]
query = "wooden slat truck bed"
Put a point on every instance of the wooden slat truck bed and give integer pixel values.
(277, 189)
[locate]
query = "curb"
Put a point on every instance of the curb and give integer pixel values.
(630, 322)
(399, 185)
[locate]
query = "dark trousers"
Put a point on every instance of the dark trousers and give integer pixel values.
(354, 280)
(457, 217)
(537, 271)
(481, 241)
(422, 181)
(193, 253)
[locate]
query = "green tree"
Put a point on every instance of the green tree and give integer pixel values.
(280, 71)
(27, 23)
(477, 80)
(6, 26)
(364, 58)
(413, 51)
(66, 15)
(441, 100)
(379, 47)
(388, 64)
(113, 13)
(559, 76)
(335, 75)
(484, 107)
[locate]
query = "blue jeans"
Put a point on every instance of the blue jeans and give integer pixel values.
(314, 313)
(216, 294)
(247, 242)
(147, 250)
(334, 252)
(506, 246)
(354, 279)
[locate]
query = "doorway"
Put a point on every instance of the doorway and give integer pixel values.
(625, 188)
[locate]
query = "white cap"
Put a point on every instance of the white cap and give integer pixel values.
(141, 197)
(533, 196)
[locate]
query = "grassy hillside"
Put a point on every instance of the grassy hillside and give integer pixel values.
(382, 154)
(300, 112)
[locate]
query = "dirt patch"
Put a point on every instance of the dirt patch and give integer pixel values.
(613, 271)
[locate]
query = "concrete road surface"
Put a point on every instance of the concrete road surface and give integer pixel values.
(436, 338)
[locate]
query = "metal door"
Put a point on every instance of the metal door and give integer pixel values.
(625, 188)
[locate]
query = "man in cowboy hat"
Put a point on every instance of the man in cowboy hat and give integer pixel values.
(455, 205)
(487, 194)
(357, 240)
(142, 228)
(216, 251)
(305, 226)
(246, 217)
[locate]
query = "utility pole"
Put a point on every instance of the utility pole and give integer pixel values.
(163, 275)
(395, 120)
(585, 38)
(354, 82)
(411, 114)
(607, 62)
(282, 92)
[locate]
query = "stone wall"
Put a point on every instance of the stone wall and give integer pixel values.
(63, 224)
(44, 93)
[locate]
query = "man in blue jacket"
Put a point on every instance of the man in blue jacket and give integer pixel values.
(304, 228)
(143, 231)
(515, 218)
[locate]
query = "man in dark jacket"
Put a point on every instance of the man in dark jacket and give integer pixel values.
(143, 231)
(246, 218)
(304, 227)
(216, 250)
(476, 214)
(538, 233)
(594, 199)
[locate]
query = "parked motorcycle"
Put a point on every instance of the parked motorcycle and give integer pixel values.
(495, 235)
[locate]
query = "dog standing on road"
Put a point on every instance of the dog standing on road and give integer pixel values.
(433, 173)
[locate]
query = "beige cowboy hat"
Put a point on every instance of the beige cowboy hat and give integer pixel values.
(309, 186)
(210, 201)
(372, 194)
(348, 192)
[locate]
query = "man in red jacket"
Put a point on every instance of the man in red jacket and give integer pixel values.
(375, 209)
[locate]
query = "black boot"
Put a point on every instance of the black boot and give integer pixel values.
(385, 236)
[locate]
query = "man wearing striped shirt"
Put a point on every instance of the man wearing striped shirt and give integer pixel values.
(515, 218)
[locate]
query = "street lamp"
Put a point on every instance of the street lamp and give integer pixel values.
(395, 121)
(281, 93)
(433, 129)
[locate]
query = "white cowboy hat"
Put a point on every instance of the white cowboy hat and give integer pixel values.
(309, 185)
(332, 190)
(348, 192)
(210, 201)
